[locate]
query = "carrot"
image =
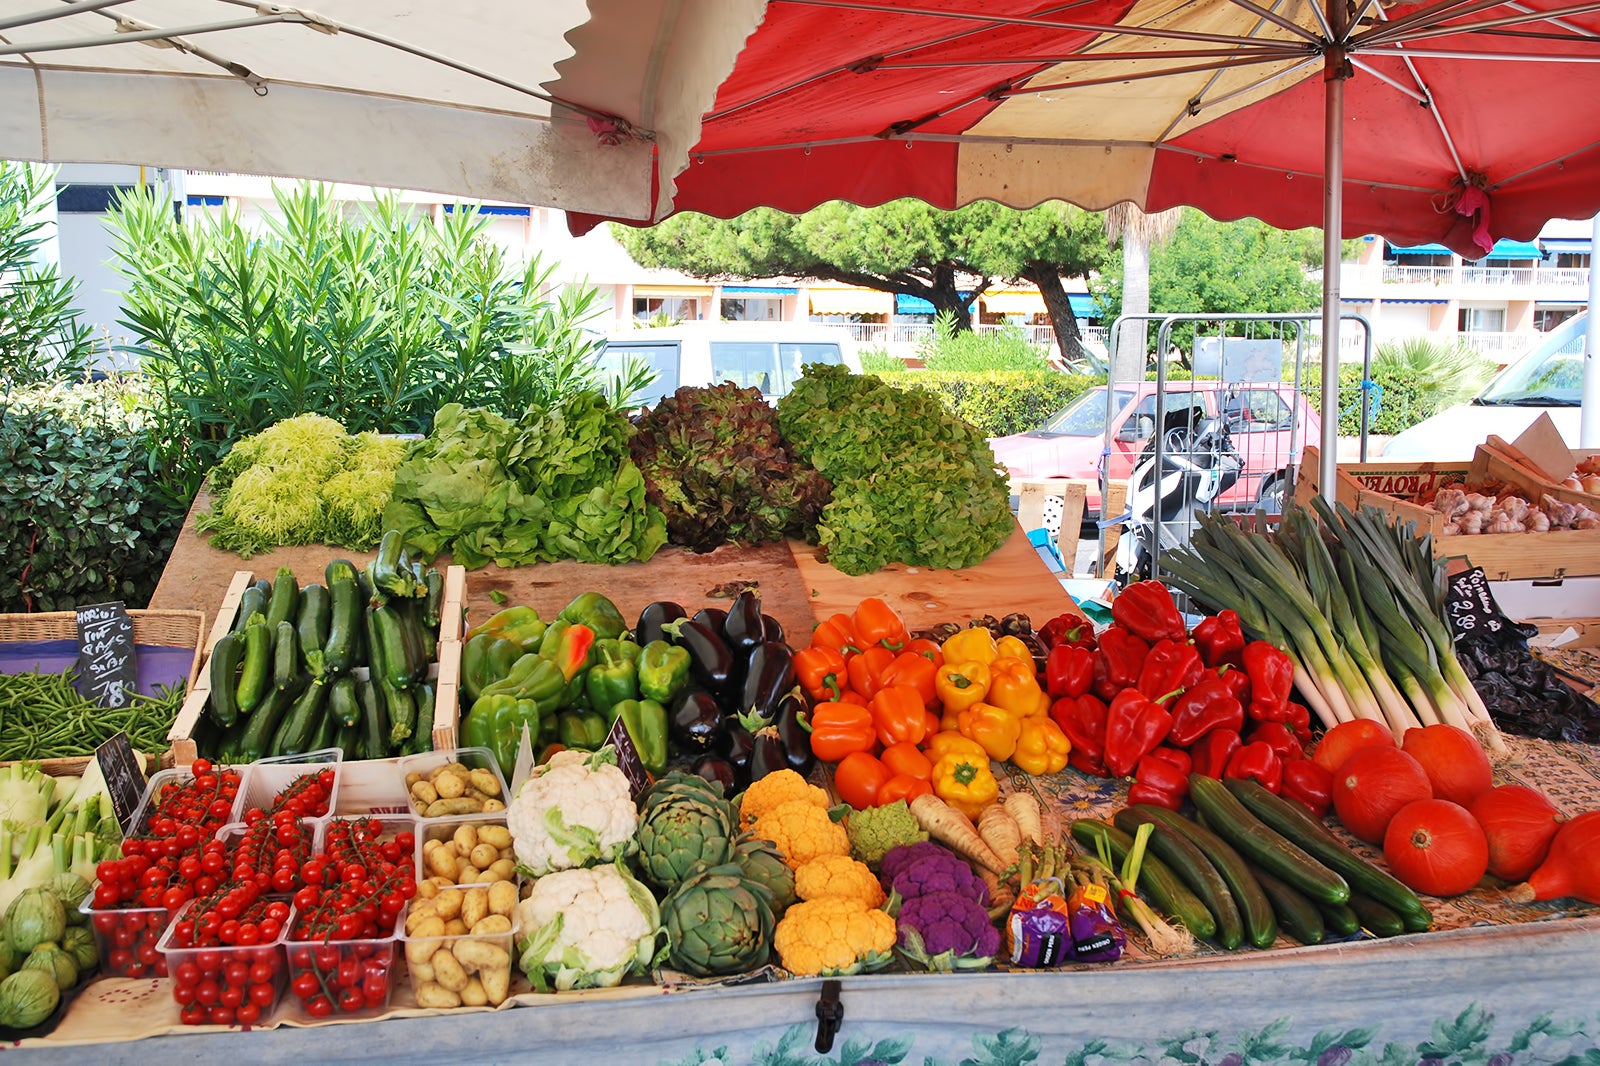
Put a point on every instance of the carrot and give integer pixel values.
(1024, 809)
(1001, 897)
(999, 830)
(950, 827)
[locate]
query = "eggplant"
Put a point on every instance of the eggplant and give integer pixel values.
(696, 721)
(772, 629)
(713, 618)
(794, 736)
(768, 677)
(734, 743)
(710, 659)
(719, 771)
(653, 617)
(767, 756)
(743, 628)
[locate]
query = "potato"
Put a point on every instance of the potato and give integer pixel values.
(484, 856)
(493, 805)
(445, 808)
(502, 897)
(421, 971)
(465, 838)
(494, 835)
(447, 904)
(434, 996)
(441, 883)
(484, 781)
(448, 970)
(474, 905)
(456, 927)
(424, 793)
(412, 778)
(420, 952)
(470, 875)
(491, 925)
(450, 786)
(496, 984)
(460, 768)
(441, 861)
(429, 926)
(427, 888)
(502, 870)
(474, 995)
(481, 956)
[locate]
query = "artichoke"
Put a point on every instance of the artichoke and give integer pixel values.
(680, 786)
(680, 826)
(763, 863)
(718, 923)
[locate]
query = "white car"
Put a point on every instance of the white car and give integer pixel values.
(766, 355)
(1547, 380)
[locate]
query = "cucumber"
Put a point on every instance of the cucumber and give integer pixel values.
(1190, 864)
(285, 656)
(255, 675)
(421, 739)
(1164, 888)
(344, 594)
(1296, 823)
(342, 702)
(1263, 847)
(293, 736)
(1339, 919)
(223, 671)
(256, 742)
(251, 603)
(312, 624)
(1260, 925)
(374, 722)
(1377, 918)
(284, 601)
(1297, 916)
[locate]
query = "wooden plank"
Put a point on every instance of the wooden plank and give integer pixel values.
(1115, 502)
(1030, 503)
(1074, 495)
(447, 697)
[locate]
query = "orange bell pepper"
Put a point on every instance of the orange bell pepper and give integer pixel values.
(859, 778)
(975, 645)
(1011, 647)
(897, 712)
(928, 649)
(960, 685)
(907, 758)
(866, 670)
(949, 741)
(850, 695)
(914, 671)
(993, 727)
(1015, 686)
(932, 723)
(879, 625)
(837, 729)
(1042, 747)
(903, 787)
(821, 672)
(838, 633)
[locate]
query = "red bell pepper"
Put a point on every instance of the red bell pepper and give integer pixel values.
(913, 671)
(1299, 721)
(1220, 639)
(1207, 706)
(1309, 785)
(1237, 681)
(1279, 737)
(1171, 666)
(1176, 756)
(1068, 670)
(1271, 680)
(1159, 782)
(1083, 720)
(1117, 662)
(1146, 610)
(1135, 724)
(866, 670)
(1257, 760)
(1212, 752)
(1071, 629)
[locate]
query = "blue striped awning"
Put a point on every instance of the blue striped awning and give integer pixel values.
(1578, 245)
(1083, 305)
(758, 290)
(1422, 249)
(916, 305)
(1514, 250)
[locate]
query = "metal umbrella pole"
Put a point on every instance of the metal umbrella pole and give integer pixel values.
(1336, 69)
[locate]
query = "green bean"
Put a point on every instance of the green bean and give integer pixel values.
(42, 716)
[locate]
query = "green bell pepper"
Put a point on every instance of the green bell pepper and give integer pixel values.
(663, 671)
(520, 625)
(646, 721)
(570, 645)
(496, 723)
(486, 659)
(533, 678)
(596, 612)
(614, 676)
(582, 729)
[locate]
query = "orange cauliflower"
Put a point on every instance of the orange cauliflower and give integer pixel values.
(834, 936)
(784, 786)
(838, 875)
(802, 831)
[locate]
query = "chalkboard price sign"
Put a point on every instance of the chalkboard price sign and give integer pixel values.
(628, 757)
(124, 777)
(1470, 606)
(108, 667)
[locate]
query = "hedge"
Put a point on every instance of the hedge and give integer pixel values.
(999, 402)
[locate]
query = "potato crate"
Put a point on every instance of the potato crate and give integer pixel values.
(446, 679)
(1503, 556)
(180, 631)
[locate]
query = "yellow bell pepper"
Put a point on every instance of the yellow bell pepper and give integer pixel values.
(951, 742)
(1042, 747)
(960, 685)
(994, 727)
(975, 645)
(966, 783)
(1014, 686)
(1010, 647)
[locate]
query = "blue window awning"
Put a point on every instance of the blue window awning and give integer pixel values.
(1422, 249)
(916, 305)
(1083, 305)
(758, 290)
(1514, 250)
(1573, 245)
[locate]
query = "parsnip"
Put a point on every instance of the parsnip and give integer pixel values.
(952, 828)
(1024, 809)
(999, 830)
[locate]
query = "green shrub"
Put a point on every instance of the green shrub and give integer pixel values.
(41, 337)
(877, 360)
(999, 402)
(975, 351)
(79, 507)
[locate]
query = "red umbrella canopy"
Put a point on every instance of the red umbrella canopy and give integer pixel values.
(1464, 120)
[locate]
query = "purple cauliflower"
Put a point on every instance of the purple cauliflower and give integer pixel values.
(947, 930)
(934, 874)
(898, 858)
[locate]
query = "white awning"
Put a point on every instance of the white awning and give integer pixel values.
(850, 302)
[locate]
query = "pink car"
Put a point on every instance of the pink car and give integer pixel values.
(1269, 425)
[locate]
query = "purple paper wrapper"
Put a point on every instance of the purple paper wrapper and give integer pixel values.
(1097, 936)
(1040, 936)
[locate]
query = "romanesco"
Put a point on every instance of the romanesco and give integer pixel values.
(877, 830)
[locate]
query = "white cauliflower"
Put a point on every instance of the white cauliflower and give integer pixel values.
(588, 929)
(575, 810)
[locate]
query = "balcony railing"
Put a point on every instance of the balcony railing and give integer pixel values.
(900, 337)
(1498, 347)
(1482, 275)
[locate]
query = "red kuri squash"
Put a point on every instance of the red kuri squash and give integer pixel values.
(1571, 869)
(1454, 760)
(1437, 847)
(1374, 783)
(1344, 739)
(1519, 823)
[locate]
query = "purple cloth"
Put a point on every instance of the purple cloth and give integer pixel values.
(159, 664)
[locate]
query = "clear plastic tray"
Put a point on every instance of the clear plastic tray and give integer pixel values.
(212, 966)
(487, 958)
(472, 758)
(161, 778)
(125, 936)
(268, 777)
(368, 966)
(444, 829)
(230, 834)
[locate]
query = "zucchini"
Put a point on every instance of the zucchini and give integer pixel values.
(1377, 918)
(285, 656)
(223, 672)
(374, 722)
(1296, 823)
(256, 742)
(344, 595)
(391, 578)
(1261, 845)
(421, 739)
(1260, 925)
(389, 647)
(1190, 864)
(284, 601)
(384, 640)
(327, 730)
(255, 675)
(1165, 889)
(348, 740)
(433, 601)
(342, 702)
(1297, 916)
(312, 624)
(294, 735)
(1339, 919)
(251, 603)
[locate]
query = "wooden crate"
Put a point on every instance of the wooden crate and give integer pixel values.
(446, 679)
(173, 629)
(1503, 556)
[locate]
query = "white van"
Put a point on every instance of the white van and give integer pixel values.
(765, 355)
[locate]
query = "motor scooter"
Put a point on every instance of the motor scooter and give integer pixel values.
(1198, 464)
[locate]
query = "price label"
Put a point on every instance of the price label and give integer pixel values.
(108, 667)
(1471, 608)
(124, 777)
(628, 757)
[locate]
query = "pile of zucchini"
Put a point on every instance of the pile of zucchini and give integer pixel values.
(343, 664)
(1252, 865)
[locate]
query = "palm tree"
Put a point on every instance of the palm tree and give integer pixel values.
(1138, 233)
